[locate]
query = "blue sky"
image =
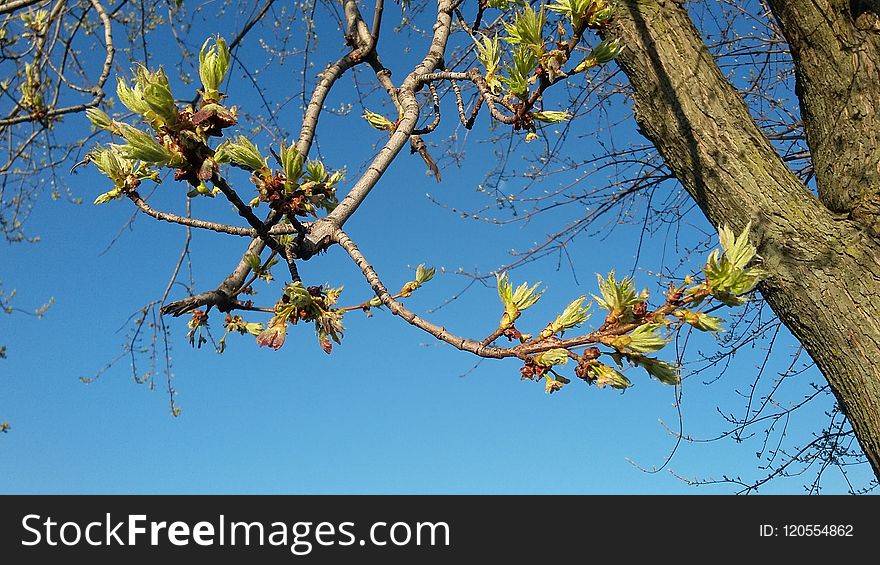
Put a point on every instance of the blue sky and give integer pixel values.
(391, 410)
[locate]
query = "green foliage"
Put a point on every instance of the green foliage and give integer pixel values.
(125, 173)
(143, 146)
(601, 54)
(309, 304)
(643, 339)
(32, 89)
(423, 275)
(602, 375)
(515, 301)
(700, 320)
(551, 117)
(315, 171)
(149, 96)
(575, 10)
(617, 297)
(378, 121)
(213, 66)
(520, 73)
(574, 315)
(527, 30)
(236, 324)
(552, 357)
(99, 119)
(664, 372)
(241, 152)
(489, 54)
(728, 275)
(291, 163)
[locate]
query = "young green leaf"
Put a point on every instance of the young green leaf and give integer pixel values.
(213, 66)
(520, 73)
(600, 55)
(489, 54)
(552, 357)
(291, 163)
(664, 372)
(99, 119)
(700, 320)
(643, 339)
(378, 121)
(616, 296)
(574, 315)
(527, 30)
(601, 375)
(516, 301)
(726, 274)
(144, 146)
(551, 117)
(241, 152)
(575, 10)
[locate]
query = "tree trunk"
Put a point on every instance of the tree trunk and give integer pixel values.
(824, 266)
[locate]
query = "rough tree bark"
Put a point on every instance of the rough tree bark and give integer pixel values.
(822, 254)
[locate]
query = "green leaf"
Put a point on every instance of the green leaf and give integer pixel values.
(552, 357)
(424, 274)
(108, 196)
(298, 294)
(253, 261)
(664, 372)
(213, 66)
(643, 339)
(616, 296)
(602, 375)
(291, 163)
(552, 385)
(516, 301)
(241, 152)
(378, 121)
(700, 320)
(726, 274)
(99, 118)
(576, 10)
(551, 117)
(519, 74)
(489, 54)
(331, 296)
(600, 55)
(574, 315)
(111, 163)
(527, 30)
(160, 100)
(143, 146)
(315, 171)
(132, 97)
(738, 250)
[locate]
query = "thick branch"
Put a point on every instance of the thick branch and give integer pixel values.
(823, 270)
(223, 296)
(321, 233)
(836, 49)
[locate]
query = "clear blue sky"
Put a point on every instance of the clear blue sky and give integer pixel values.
(391, 410)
